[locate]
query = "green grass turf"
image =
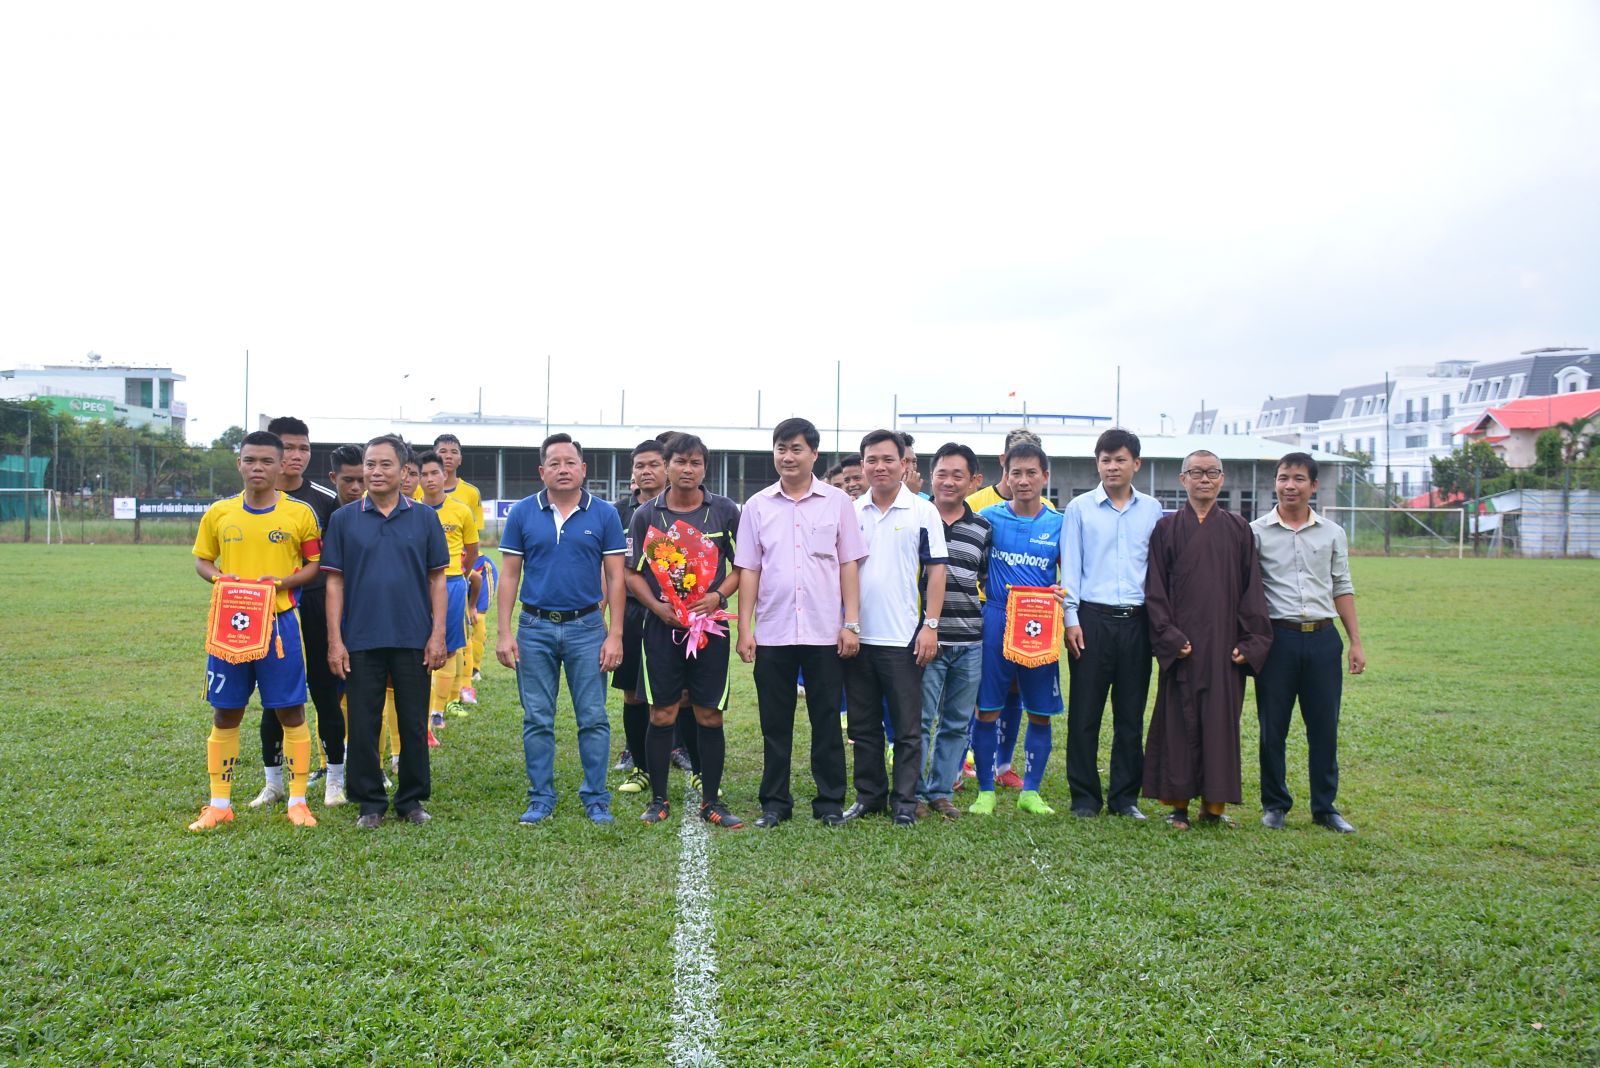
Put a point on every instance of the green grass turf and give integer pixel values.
(1459, 927)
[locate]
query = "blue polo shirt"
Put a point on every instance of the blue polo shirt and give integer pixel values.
(562, 559)
(385, 561)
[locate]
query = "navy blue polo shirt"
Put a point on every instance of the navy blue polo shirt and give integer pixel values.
(562, 560)
(385, 560)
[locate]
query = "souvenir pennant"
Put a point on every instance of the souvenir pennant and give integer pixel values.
(240, 628)
(1033, 626)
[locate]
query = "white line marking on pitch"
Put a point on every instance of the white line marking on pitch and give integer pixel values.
(694, 953)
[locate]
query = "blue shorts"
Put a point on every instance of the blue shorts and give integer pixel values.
(281, 679)
(1040, 687)
(455, 613)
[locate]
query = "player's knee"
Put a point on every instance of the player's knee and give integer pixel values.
(227, 718)
(707, 717)
(988, 717)
(1041, 721)
(292, 717)
(664, 717)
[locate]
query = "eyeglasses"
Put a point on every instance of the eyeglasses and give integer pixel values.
(1204, 472)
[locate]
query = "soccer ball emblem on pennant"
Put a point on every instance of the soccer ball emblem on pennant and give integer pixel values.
(1033, 628)
(241, 621)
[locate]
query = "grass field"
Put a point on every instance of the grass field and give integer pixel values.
(1460, 926)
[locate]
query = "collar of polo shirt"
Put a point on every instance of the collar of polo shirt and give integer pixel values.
(903, 499)
(1277, 517)
(367, 505)
(776, 489)
(584, 498)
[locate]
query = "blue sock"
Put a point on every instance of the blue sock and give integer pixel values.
(1035, 754)
(983, 740)
(1010, 726)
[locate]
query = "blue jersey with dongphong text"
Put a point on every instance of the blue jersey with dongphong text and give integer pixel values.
(1022, 551)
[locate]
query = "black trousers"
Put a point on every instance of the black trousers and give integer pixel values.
(371, 672)
(777, 674)
(1115, 662)
(319, 680)
(876, 674)
(1308, 667)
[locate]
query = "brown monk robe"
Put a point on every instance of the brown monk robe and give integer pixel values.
(1208, 624)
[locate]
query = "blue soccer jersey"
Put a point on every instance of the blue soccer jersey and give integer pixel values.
(1022, 551)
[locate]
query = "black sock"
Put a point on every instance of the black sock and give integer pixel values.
(689, 735)
(658, 758)
(713, 748)
(635, 721)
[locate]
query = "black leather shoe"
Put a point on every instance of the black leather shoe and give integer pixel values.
(371, 821)
(416, 815)
(832, 819)
(1131, 812)
(768, 820)
(858, 810)
(905, 819)
(1272, 819)
(1086, 813)
(1334, 822)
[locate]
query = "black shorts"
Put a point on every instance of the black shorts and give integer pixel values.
(627, 678)
(667, 672)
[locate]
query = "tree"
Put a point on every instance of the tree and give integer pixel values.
(231, 438)
(1467, 468)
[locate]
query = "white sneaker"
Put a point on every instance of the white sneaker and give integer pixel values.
(270, 795)
(333, 793)
(469, 696)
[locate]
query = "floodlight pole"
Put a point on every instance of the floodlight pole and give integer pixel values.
(1388, 450)
(246, 424)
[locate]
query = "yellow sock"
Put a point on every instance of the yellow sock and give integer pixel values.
(463, 674)
(296, 761)
(480, 639)
(222, 753)
(391, 725)
(443, 680)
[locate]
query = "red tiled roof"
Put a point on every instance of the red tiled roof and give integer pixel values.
(1434, 499)
(1539, 413)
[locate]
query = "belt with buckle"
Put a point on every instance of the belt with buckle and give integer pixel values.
(1115, 611)
(1302, 627)
(559, 617)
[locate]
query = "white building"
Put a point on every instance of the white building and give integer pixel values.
(1235, 419)
(1294, 420)
(138, 396)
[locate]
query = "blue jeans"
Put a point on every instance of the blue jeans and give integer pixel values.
(543, 649)
(949, 690)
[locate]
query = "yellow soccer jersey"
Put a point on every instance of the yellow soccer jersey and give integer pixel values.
(459, 532)
(989, 495)
(467, 494)
(275, 541)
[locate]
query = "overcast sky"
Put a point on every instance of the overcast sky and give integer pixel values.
(694, 202)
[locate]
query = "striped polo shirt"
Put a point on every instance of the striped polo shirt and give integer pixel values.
(967, 548)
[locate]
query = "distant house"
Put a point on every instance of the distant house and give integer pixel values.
(1294, 420)
(1513, 428)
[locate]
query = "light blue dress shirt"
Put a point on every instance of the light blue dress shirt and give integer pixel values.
(1104, 551)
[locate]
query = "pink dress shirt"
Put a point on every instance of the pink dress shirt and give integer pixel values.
(798, 547)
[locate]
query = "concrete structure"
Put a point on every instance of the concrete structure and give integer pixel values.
(1514, 428)
(1237, 419)
(138, 396)
(501, 456)
(1293, 420)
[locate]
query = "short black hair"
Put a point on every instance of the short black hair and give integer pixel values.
(443, 438)
(906, 441)
(402, 451)
(796, 427)
(428, 456)
(878, 437)
(1117, 438)
(344, 456)
(1017, 434)
(559, 439)
(684, 445)
(665, 436)
(955, 448)
(288, 424)
(262, 437)
(853, 460)
(1027, 450)
(833, 472)
(1297, 459)
(648, 445)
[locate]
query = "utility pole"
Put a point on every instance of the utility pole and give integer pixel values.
(1119, 394)
(838, 387)
(547, 365)
(27, 479)
(1388, 474)
(245, 426)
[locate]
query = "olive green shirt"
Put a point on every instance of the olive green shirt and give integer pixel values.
(1302, 570)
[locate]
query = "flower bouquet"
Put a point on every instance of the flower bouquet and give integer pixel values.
(685, 566)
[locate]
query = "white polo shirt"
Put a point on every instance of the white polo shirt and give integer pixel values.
(900, 542)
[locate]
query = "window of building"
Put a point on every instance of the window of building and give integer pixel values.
(1572, 380)
(166, 393)
(1170, 499)
(1444, 406)
(1416, 441)
(1366, 405)
(1424, 409)
(1247, 503)
(1349, 407)
(1372, 446)
(1410, 411)
(1382, 404)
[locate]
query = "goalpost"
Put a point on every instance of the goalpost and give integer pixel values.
(1430, 531)
(20, 504)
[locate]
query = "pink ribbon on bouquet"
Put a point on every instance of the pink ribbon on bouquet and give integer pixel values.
(693, 638)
